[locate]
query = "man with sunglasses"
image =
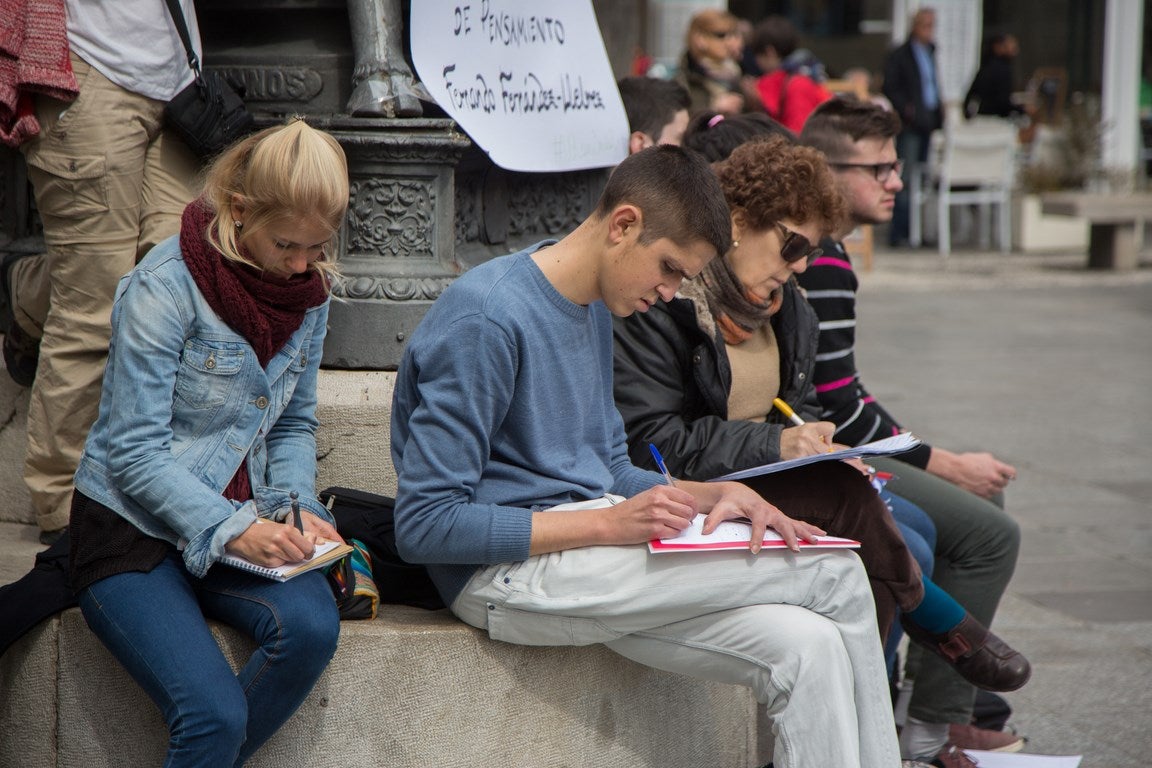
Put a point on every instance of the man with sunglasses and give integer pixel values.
(977, 543)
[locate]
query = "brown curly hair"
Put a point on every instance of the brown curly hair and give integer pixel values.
(767, 180)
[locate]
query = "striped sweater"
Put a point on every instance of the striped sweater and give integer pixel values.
(831, 288)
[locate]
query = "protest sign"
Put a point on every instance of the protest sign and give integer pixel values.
(528, 81)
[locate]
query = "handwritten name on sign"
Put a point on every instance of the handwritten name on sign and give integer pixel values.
(529, 81)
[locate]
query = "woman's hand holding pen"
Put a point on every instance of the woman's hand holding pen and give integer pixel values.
(323, 530)
(806, 440)
(271, 544)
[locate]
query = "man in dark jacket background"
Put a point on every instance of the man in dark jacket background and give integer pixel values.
(912, 85)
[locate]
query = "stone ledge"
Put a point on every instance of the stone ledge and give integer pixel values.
(412, 688)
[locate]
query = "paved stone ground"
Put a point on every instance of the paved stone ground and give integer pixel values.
(1049, 366)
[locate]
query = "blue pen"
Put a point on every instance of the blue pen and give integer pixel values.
(660, 463)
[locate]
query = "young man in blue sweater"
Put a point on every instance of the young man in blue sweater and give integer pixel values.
(508, 447)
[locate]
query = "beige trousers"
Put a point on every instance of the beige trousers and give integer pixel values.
(109, 184)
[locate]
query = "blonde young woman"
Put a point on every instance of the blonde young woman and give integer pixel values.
(206, 426)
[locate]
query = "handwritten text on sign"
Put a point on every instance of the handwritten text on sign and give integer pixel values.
(528, 80)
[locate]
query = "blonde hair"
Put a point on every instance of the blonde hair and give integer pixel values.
(284, 172)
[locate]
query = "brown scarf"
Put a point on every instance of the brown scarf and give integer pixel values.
(264, 309)
(738, 313)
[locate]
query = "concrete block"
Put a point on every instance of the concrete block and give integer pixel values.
(411, 688)
(28, 711)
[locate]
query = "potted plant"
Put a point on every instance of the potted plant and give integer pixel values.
(1063, 156)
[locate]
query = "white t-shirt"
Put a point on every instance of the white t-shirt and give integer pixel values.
(134, 43)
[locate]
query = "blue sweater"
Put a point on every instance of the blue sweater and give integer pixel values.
(503, 405)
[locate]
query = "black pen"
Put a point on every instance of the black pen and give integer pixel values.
(296, 521)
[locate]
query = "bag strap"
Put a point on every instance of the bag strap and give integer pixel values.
(356, 497)
(182, 27)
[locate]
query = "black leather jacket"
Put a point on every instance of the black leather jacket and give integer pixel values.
(672, 380)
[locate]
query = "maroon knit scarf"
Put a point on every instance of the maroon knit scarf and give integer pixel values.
(264, 309)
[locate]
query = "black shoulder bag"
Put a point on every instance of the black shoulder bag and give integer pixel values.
(368, 517)
(208, 114)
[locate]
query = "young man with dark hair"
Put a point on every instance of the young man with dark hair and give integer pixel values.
(509, 449)
(657, 111)
(977, 543)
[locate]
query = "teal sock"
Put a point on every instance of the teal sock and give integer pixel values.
(938, 612)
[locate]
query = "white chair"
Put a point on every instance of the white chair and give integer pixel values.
(970, 163)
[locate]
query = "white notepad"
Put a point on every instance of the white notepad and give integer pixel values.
(325, 553)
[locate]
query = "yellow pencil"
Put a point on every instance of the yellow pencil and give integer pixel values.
(786, 409)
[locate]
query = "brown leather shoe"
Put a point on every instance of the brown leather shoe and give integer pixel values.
(979, 656)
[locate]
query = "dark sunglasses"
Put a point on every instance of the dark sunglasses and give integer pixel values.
(795, 246)
(880, 171)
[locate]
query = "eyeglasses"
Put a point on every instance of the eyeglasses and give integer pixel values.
(880, 171)
(795, 246)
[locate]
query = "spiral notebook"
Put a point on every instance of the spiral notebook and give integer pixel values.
(325, 553)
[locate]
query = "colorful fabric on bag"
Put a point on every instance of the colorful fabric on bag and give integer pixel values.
(353, 585)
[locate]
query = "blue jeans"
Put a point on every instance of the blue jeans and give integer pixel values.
(154, 624)
(920, 537)
(976, 549)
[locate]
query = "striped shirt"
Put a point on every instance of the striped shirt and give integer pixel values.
(831, 287)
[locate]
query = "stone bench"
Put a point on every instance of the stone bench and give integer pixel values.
(1116, 224)
(409, 689)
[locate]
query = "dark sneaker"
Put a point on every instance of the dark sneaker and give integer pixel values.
(21, 355)
(21, 351)
(971, 737)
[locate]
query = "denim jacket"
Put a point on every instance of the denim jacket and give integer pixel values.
(185, 401)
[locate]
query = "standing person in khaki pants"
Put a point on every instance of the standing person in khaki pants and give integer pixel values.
(110, 182)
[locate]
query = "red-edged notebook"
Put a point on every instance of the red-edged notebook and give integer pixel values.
(733, 534)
